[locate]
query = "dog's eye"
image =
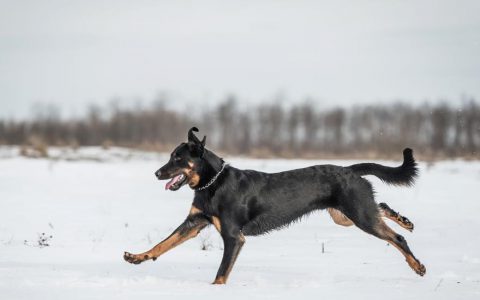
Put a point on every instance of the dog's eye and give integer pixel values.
(177, 158)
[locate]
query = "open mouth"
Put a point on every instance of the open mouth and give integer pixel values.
(176, 182)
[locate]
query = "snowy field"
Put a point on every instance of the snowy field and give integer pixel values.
(96, 204)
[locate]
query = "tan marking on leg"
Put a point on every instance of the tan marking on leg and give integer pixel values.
(216, 223)
(167, 244)
(220, 280)
(339, 218)
(399, 220)
(415, 264)
(242, 238)
(387, 212)
(172, 242)
(242, 241)
(223, 279)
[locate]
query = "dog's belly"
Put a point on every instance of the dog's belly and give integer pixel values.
(267, 222)
(282, 211)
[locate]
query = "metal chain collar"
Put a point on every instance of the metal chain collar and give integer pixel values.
(213, 179)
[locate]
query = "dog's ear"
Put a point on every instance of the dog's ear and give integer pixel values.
(193, 138)
(194, 143)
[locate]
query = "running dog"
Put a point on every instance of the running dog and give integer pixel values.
(240, 203)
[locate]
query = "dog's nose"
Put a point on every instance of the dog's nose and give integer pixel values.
(158, 173)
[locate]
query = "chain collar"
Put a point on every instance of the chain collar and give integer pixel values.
(213, 179)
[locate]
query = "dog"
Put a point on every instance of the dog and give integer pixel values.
(241, 203)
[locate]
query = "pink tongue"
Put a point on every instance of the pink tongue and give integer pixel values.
(172, 181)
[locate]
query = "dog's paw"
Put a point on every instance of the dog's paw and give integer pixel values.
(405, 223)
(420, 270)
(220, 280)
(134, 258)
(417, 266)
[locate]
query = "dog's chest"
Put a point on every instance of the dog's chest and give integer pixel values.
(206, 205)
(219, 206)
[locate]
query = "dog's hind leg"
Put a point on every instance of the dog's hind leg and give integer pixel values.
(339, 218)
(372, 223)
(389, 213)
(359, 205)
(381, 230)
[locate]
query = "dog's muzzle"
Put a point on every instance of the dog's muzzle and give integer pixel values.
(175, 182)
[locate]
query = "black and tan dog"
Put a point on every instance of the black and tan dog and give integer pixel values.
(246, 202)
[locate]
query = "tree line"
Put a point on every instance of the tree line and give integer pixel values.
(269, 129)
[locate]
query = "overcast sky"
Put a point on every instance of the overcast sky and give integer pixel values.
(339, 52)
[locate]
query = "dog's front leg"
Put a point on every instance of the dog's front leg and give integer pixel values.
(190, 228)
(232, 244)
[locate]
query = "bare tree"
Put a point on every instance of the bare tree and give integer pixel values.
(226, 119)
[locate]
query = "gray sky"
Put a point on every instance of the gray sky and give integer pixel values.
(339, 52)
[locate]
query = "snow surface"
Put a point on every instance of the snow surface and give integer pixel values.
(95, 209)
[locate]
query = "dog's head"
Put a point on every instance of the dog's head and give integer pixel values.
(184, 160)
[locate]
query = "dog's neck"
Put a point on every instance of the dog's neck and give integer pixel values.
(212, 165)
(212, 162)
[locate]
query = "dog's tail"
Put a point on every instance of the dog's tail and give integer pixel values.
(401, 175)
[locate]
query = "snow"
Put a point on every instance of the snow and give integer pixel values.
(95, 209)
